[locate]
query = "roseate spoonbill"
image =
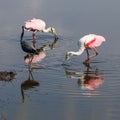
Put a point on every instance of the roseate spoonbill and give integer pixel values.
(90, 41)
(35, 25)
(28, 47)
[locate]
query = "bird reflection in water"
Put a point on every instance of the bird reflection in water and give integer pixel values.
(90, 80)
(28, 84)
(35, 58)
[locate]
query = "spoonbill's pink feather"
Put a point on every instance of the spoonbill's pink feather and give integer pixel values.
(36, 58)
(36, 24)
(90, 41)
(94, 40)
(94, 82)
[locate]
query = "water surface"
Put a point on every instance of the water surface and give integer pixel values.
(54, 90)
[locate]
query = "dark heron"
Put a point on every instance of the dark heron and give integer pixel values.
(28, 47)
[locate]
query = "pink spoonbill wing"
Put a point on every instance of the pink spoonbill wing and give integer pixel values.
(36, 24)
(36, 58)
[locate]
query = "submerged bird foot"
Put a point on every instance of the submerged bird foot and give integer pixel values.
(86, 62)
(56, 37)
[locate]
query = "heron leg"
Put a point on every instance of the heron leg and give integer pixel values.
(87, 53)
(34, 38)
(91, 56)
(30, 64)
(86, 61)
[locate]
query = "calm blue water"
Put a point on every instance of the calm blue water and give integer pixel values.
(55, 90)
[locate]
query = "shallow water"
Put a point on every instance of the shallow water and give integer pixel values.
(55, 89)
(58, 90)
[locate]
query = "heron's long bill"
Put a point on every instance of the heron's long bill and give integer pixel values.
(67, 57)
(55, 34)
